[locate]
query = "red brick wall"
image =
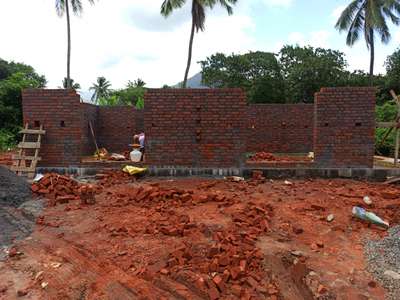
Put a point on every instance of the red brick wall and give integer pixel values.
(61, 115)
(90, 114)
(280, 128)
(344, 127)
(195, 127)
(117, 125)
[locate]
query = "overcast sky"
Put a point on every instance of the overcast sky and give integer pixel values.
(126, 39)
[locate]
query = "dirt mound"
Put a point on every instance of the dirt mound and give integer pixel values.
(14, 190)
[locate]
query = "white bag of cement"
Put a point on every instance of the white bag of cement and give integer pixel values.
(38, 177)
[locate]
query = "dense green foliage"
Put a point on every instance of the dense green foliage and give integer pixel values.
(385, 113)
(258, 73)
(14, 77)
(132, 94)
(293, 75)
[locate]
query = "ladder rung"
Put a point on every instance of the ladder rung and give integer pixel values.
(32, 131)
(24, 157)
(23, 169)
(29, 145)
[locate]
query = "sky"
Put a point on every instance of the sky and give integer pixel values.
(129, 39)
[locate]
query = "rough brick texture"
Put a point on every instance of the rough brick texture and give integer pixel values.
(90, 114)
(61, 114)
(280, 128)
(117, 125)
(344, 127)
(195, 127)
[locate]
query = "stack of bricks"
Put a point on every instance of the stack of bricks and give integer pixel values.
(59, 111)
(280, 128)
(344, 127)
(195, 127)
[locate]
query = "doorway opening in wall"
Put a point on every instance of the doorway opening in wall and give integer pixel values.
(109, 146)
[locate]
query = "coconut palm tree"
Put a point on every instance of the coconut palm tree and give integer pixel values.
(72, 84)
(198, 19)
(101, 89)
(368, 18)
(63, 6)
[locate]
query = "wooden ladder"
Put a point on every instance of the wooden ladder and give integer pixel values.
(25, 151)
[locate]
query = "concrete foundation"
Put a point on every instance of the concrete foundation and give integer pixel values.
(373, 174)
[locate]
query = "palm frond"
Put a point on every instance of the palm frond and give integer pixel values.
(169, 6)
(60, 7)
(198, 15)
(355, 28)
(347, 17)
(76, 6)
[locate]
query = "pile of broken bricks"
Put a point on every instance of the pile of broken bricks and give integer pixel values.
(220, 262)
(59, 189)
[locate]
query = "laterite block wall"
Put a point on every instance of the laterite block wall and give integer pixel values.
(344, 127)
(280, 128)
(195, 127)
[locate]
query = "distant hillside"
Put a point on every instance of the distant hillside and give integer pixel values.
(193, 82)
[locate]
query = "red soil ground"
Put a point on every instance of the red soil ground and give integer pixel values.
(203, 239)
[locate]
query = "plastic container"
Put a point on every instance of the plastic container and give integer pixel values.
(135, 155)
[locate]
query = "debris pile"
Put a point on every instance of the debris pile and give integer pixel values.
(110, 178)
(59, 189)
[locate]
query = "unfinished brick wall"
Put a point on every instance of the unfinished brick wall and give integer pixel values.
(90, 114)
(195, 127)
(344, 127)
(61, 115)
(117, 125)
(280, 128)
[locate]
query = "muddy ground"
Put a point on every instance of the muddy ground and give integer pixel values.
(204, 239)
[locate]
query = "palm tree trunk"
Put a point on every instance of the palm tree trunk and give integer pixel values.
(189, 55)
(69, 46)
(371, 65)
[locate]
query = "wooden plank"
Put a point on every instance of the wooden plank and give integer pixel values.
(386, 124)
(17, 157)
(28, 145)
(32, 131)
(22, 169)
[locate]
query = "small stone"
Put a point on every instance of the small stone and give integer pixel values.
(44, 284)
(330, 218)
(392, 274)
(367, 200)
(322, 289)
(297, 253)
(23, 292)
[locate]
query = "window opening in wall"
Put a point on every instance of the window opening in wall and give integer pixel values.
(62, 123)
(36, 124)
(358, 124)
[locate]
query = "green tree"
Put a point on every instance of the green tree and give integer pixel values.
(307, 69)
(393, 71)
(72, 84)
(13, 79)
(63, 7)
(198, 19)
(139, 83)
(258, 73)
(101, 89)
(368, 18)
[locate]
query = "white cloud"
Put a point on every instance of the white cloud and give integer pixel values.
(281, 3)
(111, 40)
(315, 39)
(337, 12)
